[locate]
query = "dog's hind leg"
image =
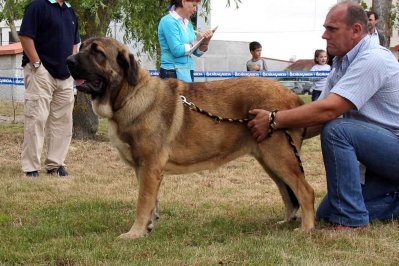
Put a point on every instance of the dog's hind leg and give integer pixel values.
(282, 165)
(290, 200)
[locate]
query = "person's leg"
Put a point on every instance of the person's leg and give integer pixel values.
(36, 109)
(324, 210)
(192, 75)
(59, 124)
(167, 73)
(315, 95)
(380, 195)
(344, 142)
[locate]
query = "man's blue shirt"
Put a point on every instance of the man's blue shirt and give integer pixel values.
(54, 29)
(368, 76)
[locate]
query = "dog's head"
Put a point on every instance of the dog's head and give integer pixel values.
(101, 67)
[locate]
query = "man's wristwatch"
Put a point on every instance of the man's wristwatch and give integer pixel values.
(36, 65)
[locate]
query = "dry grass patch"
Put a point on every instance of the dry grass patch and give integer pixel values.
(223, 216)
(11, 111)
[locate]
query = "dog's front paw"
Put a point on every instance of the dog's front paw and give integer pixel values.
(136, 233)
(132, 235)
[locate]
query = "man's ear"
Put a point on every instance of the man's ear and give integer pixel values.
(129, 65)
(357, 29)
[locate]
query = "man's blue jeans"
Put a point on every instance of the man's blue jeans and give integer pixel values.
(345, 142)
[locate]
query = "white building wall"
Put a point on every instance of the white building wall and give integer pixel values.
(5, 31)
(10, 66)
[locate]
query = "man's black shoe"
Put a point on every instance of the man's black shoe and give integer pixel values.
(32, 174)
(59, 171)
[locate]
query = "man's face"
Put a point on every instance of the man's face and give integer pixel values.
(372, 23)
(338, 35)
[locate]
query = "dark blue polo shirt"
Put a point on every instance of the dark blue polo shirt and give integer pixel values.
(54, 29)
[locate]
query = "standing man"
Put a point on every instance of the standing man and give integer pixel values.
(376, 35)
(363, 86)
(49, 34)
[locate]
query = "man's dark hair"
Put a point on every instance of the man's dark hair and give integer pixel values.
(254, 45)
(369, 13)
(355, 14)
(178, 3)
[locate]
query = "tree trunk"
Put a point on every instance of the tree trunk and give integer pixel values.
(14, 32)
(85, 121)
(383, 9)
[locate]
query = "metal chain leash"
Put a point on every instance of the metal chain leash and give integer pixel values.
(192, 106)
(271, 127)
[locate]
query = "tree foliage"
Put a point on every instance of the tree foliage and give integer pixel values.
(139, 19)
(10, 11)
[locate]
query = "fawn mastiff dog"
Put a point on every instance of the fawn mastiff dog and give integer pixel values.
(155, 133)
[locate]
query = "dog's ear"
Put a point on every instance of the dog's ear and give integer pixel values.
(129, 65)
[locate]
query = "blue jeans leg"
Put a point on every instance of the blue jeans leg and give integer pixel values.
(381, 197)
(344, 143)
(315, 95)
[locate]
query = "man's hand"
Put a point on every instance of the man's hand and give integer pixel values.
(260, 124)
(29, 48)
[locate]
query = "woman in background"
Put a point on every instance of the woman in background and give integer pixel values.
(177, 38)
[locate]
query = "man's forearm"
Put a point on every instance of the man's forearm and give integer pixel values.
(315, 113)
(29, 48)
(304, 116)
(75, 49)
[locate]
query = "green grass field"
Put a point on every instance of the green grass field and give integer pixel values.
(225, 216)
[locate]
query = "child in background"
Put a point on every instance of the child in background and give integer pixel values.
(256, 63)
(321, 59)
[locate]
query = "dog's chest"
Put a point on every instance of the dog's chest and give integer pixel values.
(123, 148)
(102, 109)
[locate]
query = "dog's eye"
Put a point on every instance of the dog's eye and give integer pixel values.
(99, 52)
